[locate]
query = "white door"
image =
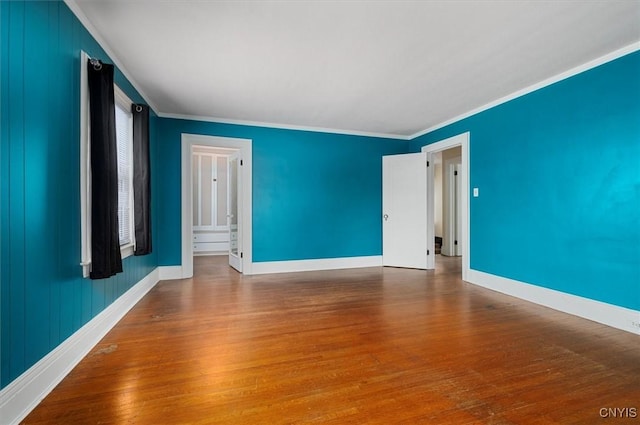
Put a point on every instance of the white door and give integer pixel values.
(405, 241)
(234, 216)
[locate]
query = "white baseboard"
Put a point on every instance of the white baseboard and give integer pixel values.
(318, 264)
(607, 314)
(23, 394)
(170, 272)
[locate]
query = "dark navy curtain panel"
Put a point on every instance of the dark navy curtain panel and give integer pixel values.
(105, 244)
(141, 179)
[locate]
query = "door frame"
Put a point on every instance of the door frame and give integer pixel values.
(244, 147)
(461, 140)
(451, 200)
(456, 211)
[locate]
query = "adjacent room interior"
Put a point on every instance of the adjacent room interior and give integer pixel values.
(319, 212)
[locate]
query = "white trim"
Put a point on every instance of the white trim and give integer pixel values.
(597, 311)
(244, 146)
(211, 253)
(77, 10)
(430, 212)
(85, 169)
(449, 248)
(317, 264)
(549, 81)
(121, 97)
(127, 250)
(170, 272)
(462, 140)
(283, 126)
(23, 394)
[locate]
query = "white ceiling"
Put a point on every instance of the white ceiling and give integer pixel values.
(387, 67)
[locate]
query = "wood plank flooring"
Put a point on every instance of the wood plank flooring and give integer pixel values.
(362, 346)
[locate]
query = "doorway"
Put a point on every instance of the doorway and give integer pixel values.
(447, 198)
(460, 231)
(212, 193)
(240, 211)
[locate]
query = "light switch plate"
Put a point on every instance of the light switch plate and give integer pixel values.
(476, 192)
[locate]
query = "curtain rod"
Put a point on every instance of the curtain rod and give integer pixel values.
(97, 65)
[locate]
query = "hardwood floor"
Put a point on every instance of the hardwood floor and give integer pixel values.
(361, 346)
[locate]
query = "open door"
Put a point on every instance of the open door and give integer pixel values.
(405, 239)
(234, 216)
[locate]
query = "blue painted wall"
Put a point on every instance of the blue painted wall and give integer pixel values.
(315, 195)
(43, 296)
(559, 177)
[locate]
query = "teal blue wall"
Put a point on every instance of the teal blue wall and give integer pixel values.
(43, 296)
(315, 195)
(559, 178)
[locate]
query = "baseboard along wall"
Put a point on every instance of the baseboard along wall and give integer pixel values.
(597, 311)
(23, 394)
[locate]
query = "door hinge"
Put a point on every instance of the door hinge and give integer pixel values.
(455, 173)
(428, 252)
(455, 242)
(241, 163)
(242, 255)
(427, 163)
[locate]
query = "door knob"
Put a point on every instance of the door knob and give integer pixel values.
(386, 217)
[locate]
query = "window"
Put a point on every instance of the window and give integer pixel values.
(124, 137)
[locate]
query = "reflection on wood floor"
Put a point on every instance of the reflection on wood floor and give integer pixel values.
(360, 346)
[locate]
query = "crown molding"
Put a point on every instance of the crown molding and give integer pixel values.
(77, 11)
(549, 81)
(283, 126)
